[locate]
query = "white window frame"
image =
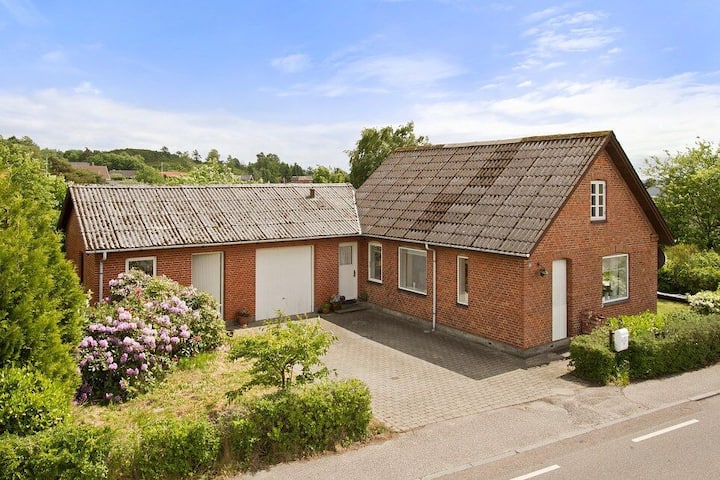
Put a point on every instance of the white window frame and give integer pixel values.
(142, 259)
(609, 284)
(462, 280)
(372, 245)
(598, 200)
(405, 252)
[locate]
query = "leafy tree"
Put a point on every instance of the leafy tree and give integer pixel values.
(281, 349)
(41, 301)
(689, 197)
(148, 174)
(323, 174)
(207, 173)
(266, 168)
(213, 156)
(375, 145)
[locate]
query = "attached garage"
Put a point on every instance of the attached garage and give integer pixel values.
(283, 281)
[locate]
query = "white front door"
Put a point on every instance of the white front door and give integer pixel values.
(347, 273)
(559, 299)
(283, 281)
(207, 274)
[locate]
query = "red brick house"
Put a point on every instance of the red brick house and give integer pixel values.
(255, 247)
(511, 241)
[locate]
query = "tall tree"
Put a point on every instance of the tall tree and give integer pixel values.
(689, 197)
(375, 145)
(41, 301)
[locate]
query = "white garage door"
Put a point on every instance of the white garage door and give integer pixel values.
(283, 281)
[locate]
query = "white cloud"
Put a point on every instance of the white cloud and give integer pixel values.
(291, 63)
(86, 88)
(649, 118)
(55, 56)
(63, 120)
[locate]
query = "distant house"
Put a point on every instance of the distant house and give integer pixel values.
(301, 179)
(512, 242)
(173, 174)
(99, 170)
(123, 174)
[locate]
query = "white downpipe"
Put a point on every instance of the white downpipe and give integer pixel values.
(434, 286)
(101, 276)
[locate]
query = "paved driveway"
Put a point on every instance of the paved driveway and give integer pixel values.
(418, 378)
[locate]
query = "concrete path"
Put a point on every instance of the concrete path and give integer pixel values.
(461, 405)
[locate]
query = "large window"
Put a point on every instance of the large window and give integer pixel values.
(375, 262)
(412, 270)
(462, 280)
(614, 278)
(597, 200)
(145, 264)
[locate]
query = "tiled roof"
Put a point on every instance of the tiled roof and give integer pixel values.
(119, 217)
(492, 196)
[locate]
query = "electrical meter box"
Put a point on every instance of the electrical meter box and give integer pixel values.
(621, 339)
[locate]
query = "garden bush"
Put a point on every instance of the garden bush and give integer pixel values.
(66, 452)
(686, 341)
(31, 402)
(705, 302)
(177, 448)
(297, 421)
(689, 270)
(145, 328)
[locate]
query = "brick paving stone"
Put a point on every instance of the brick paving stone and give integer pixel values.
(418, 378)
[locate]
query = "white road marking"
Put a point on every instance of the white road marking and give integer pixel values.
(537, 473)
(664, 430)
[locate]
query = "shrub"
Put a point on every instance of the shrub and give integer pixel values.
(705, 302)
(591, 357)
(690, 270)
(177, 448)
(644, 322)
(65, 452)
(30, 402)
(298, 421)
(280, 349)
(149, 324)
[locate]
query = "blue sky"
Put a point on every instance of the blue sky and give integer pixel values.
(302, 78)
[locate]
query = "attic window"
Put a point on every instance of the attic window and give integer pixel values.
(597, 200)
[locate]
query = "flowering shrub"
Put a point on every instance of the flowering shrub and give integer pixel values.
(705, 302)
(143, 329)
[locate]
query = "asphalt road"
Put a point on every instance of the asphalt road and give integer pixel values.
(674, 443)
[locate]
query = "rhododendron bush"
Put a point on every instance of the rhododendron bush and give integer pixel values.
(144, 327)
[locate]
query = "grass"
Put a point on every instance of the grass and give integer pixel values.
(666, 306)
(196, 387)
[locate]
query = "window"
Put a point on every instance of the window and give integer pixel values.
(145, 264)
(412, 270)
(462, 280)
(615, 278)
(597, 200)
(375, 262)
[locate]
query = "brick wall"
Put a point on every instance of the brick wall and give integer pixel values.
(239, 268)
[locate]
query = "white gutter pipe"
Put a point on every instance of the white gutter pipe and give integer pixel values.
(434, 285)
(101, 276)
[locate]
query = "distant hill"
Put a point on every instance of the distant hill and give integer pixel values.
(161, 160)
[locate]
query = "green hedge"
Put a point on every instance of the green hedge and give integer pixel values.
(687, 341)
(64, 452)
(299, 421)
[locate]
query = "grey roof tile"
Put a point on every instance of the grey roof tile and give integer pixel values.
(119, 217)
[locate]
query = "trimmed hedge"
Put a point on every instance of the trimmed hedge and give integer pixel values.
(687, 341)
(299, 421)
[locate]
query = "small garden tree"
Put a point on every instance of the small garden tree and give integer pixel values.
(287, 351)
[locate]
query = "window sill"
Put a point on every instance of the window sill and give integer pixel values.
(375, 281)
(463, 305)
(598, 220)
(417, 292)
(617, 301)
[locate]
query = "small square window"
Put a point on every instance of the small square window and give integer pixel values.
(462, 280)
(412, 270)
(597, 200)
(614, 278)
(375, 262)
(145, 264)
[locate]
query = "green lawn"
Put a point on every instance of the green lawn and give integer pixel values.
(666, 306)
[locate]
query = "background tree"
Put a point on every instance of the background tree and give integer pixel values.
(41, 301)
(207, 173)
(266, 168)
(689, 197)
(323, 174)
(375, 145)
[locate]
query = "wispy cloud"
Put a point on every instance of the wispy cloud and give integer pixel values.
(24, 12)
(291, 63)
(554, 34)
